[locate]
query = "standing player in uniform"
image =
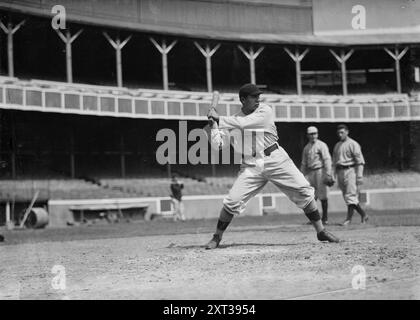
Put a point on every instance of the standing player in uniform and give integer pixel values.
(271, 163)
(176, 196)
(348, 164)
(316, 166)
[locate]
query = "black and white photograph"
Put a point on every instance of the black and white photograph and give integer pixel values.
(222, 151)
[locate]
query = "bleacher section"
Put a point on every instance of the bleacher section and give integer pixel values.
(220, 185)
(161, 187)
(48, 96)
(23, 190)
(57, 189)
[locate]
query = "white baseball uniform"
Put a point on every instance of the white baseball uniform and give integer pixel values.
(257, 168)
(346, 155)
(316, 163)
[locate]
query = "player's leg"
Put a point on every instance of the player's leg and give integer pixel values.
(350, 193)
(311, 177)
(181, 210)
(248, 183)
(286, 176)
(342, 182)
(175, 208)
(321, 191)
(353, 195)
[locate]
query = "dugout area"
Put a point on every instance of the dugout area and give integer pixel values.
(38, 145)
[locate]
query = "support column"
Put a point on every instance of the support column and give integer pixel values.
(10, 31)
(9, 222)
(164, 50)
(208, 53)
(252, 56)
(14, 144)
(68, 40)
(118, 45)
(397, 56)
(414, 127)
(297, 58)
(401, 143)
(342, 58)
(122, 156)
(72, 157)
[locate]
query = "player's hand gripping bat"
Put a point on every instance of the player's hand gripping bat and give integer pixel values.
(213, 105)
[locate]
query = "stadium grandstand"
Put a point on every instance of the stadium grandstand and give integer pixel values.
(80, 106)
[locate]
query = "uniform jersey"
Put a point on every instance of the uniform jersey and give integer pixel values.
(249, 134)
(176, 189)
(315, 156)
(348, 153)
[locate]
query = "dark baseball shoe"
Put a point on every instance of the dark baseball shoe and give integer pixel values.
(325, 235)
(1, 238)
(365, 218)
(214, 242)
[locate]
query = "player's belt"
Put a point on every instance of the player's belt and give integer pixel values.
(270, 149)
(339, 166)
(313, 169)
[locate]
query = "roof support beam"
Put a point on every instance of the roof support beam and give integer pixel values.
(341, 58)
(118, 45)
(252, 56)
(297, 57)
(164, 50)
(397, 56)
(10, 30)
(68, 40)
(208, 53)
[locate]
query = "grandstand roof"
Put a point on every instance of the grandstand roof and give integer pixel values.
(322, 40)
(303, 34)
(372, 39)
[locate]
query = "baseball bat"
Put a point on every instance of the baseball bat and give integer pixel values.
(215, 99)
(213, 104)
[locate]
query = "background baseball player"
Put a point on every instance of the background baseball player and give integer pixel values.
(316, 166)
(348, 164)
(270, 163)
(176, 196)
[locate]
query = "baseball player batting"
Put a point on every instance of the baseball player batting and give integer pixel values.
(277, 166)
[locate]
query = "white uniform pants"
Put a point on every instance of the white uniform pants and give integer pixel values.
(316, 180)
(346, 179)
(178, 209)
(277, 168)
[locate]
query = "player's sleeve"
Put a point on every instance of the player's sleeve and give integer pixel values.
(357, 154)
(304, 162)
(334, 160)
(256, 120)
(326, 158)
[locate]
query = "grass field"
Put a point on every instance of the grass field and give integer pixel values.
(269, 257)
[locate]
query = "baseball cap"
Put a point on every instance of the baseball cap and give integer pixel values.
(249, 89)
(312, 129)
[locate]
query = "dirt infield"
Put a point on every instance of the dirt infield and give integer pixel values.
(273, 257)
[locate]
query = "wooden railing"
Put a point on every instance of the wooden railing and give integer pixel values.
(60, 97)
